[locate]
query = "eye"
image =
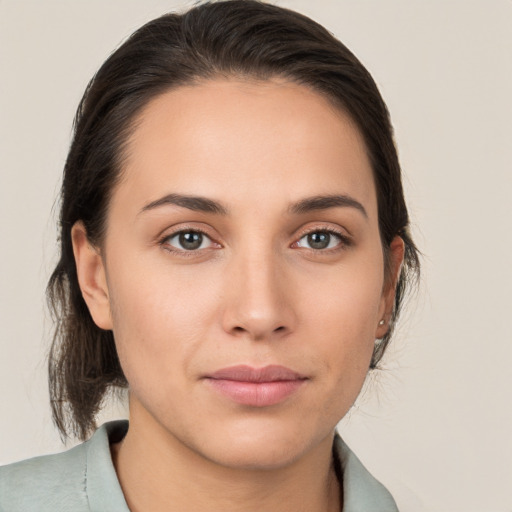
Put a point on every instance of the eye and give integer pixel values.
(321, 240)
(189, 240)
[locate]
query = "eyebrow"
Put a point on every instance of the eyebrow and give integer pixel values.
(315, 203)
(309, 204)
(195, 203)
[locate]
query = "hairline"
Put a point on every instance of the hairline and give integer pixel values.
(336, 105)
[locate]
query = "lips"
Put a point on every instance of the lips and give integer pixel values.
(256, 387)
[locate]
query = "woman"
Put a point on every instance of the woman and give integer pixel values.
(234, 251)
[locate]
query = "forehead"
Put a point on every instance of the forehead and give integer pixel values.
(245, 141)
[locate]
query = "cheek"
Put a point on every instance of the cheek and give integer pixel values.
(159, 319)
(349, 306)
(344, 322)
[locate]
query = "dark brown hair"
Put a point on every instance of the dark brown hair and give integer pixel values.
(234, 38)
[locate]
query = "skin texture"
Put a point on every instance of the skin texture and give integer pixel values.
(255, 292)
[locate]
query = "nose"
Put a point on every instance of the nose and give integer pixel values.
(259, 299)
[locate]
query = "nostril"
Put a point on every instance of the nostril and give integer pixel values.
(238, 330)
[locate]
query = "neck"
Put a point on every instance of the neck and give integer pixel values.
(157, 472)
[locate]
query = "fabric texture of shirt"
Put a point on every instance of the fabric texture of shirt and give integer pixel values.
(83, 479)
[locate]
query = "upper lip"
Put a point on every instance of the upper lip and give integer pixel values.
(245, 373)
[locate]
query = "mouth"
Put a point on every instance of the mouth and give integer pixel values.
(256, 387)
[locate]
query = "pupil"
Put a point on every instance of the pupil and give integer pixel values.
(191, 240)
(319, 240)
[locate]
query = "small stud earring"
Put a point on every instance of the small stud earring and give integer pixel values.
(382, 322)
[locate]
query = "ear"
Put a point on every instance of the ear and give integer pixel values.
(91, 277)
(396, 258)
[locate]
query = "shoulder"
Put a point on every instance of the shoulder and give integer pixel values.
(361, 491)
(50, 482)
(61, 481)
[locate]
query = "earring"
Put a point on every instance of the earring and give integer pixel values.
(382, 322)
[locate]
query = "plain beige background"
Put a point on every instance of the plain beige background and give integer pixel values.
(436, 426)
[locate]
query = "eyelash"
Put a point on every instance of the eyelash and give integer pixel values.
(344, 241)
(182, 252)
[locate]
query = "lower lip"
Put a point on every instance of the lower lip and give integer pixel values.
(257, 394)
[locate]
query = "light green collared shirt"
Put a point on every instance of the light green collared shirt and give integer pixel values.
(83, 479)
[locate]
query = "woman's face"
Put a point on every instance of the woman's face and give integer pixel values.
(242, 270)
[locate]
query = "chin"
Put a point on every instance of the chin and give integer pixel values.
(261, 447)
(257, 456)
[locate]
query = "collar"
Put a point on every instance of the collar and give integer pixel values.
(361, 491)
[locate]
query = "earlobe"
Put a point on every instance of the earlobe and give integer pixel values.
(91, 277)
(396, 258)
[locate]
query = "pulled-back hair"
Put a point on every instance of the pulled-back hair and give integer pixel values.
(236, 38)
